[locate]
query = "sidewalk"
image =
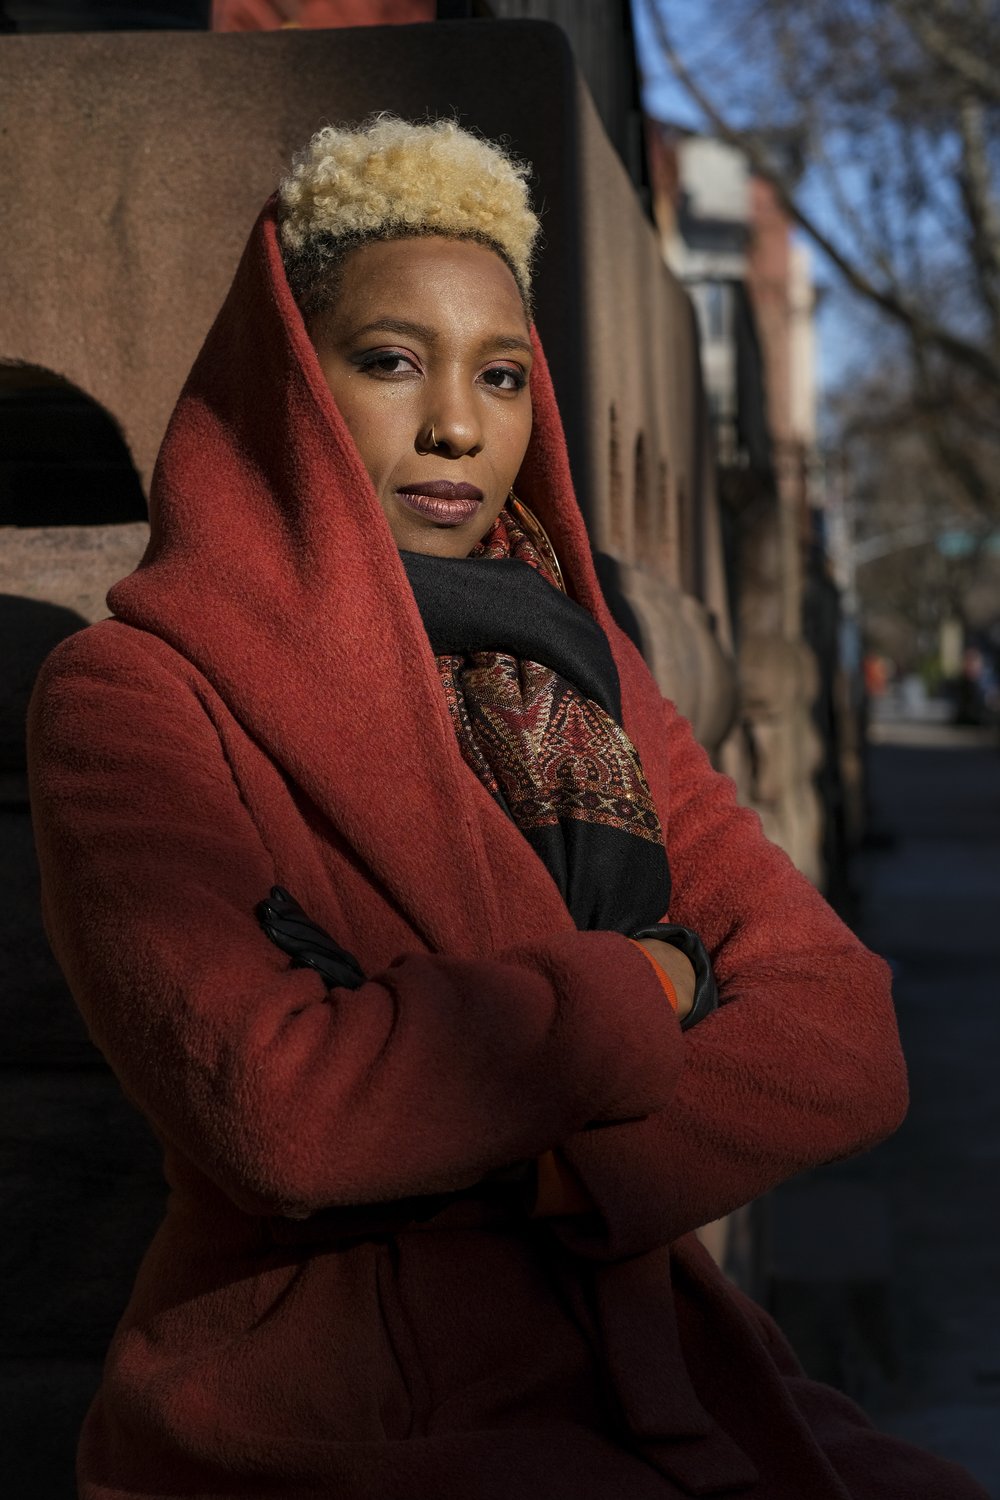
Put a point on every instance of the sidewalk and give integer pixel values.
(888, 1267)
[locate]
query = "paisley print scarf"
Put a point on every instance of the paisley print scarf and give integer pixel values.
(534, 698)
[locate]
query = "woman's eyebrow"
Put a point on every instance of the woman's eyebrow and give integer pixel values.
(403, 326)
(509, 341)
(398, 325)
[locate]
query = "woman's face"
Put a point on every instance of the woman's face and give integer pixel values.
(431, 333)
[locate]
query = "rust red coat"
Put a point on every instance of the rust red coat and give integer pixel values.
(265, 709)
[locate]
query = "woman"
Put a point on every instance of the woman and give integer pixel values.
(352, 824)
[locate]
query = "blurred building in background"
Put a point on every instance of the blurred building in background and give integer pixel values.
(787, 542)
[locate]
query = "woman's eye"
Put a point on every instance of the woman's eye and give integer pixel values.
(505, 378)
(387, 364)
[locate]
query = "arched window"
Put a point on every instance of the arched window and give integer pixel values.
(63, 460)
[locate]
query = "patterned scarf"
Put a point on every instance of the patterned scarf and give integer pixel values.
(546, 743)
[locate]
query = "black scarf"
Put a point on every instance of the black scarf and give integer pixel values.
(534, 695)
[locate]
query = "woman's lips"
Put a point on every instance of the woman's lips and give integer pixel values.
(443, 501)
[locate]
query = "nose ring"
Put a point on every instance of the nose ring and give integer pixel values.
(434, 441)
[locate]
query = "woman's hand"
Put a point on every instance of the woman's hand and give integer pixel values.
(559, 1189)
(679, 969)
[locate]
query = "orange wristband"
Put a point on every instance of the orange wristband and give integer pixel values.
(661, 974)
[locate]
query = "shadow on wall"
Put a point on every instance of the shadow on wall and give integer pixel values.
(30, 628)
(609, 576)
(81, 1172)
(81, 1176)
(63, 464)
(63, 460)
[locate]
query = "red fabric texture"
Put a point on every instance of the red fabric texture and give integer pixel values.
(272, 15)
(265, 709)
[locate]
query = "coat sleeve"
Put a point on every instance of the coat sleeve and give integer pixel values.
(801, 1064)
(288, 1096)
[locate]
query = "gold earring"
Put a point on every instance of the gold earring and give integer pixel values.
(538, 535)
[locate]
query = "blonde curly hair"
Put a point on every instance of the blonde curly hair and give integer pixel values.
(390, 179)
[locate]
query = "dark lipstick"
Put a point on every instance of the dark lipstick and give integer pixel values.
(442, 500)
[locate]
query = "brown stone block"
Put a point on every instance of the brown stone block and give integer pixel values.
(780, 681)
(684, 653)
(69, 566)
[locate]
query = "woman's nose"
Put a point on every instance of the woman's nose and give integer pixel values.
(452, 425)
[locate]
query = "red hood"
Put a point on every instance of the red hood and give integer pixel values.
(271, 567)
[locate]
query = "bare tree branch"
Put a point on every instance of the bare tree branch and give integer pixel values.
(955, 457)
(984, 218)
(928, 333)
(850, 216)
(976, 73)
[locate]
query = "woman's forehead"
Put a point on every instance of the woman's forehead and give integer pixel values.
(445, 285)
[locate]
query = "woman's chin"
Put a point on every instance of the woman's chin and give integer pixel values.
(436, 538)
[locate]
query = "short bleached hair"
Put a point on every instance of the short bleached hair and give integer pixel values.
(390, 179)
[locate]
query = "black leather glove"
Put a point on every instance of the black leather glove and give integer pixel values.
(706, 996)
(287, 925)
